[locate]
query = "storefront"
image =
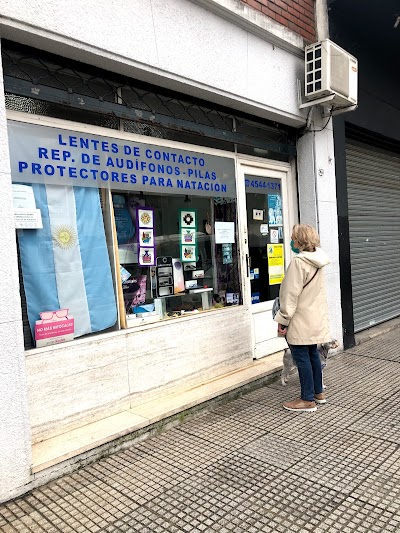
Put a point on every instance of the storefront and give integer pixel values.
(147, 262)
(158, 261)
(156, 171)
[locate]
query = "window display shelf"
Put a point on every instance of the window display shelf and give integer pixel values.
(206, 300)
(134, 321)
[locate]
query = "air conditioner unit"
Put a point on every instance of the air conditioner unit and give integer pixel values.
(330, 72)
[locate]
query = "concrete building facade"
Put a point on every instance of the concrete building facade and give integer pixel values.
(235, 70)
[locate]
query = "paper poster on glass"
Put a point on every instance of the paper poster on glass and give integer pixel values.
(188, 218)
(258, 214)
(227, 258)
(276, 263)
(23, 197)
(188, 236)
(146, 257)
(145, 236)
(275, 216)
(123, 220)
(189, 253)
(224, 232)
(274, 236)
(188, 232)
(145, 217)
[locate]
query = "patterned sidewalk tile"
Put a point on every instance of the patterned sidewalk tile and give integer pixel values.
(382, 487)
(275, 450)
(249, 466)
(361, 517)
(345, 461)
(384, 347)
(179, 450)
(381, 424)
(221, 430)
(321, 427)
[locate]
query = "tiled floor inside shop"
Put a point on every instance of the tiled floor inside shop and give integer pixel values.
(249, 466)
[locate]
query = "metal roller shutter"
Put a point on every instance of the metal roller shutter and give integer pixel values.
(374, 218)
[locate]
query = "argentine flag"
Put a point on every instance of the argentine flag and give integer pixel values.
(66, 265)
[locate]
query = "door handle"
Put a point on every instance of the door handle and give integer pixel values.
(248, 264)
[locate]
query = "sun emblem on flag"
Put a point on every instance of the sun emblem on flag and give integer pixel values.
(64, 236)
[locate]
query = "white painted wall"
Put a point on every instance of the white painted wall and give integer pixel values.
(317, 189)
(15, 448)
(317, 201)
(173, 43)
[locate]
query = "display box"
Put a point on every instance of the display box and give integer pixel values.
(55, 331)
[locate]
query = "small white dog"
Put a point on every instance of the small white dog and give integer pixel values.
(290, 367)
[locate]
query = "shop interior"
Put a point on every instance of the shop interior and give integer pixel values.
(173, 264)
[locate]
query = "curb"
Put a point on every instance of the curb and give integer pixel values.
(370, 334)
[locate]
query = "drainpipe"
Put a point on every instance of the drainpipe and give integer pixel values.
(321, 18)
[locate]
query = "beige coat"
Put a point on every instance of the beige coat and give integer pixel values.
(304, 309)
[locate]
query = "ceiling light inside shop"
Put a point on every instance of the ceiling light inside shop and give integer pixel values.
(261, 151)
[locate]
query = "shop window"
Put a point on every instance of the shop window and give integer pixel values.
(189, 271)
(115, 233)
(67, 276)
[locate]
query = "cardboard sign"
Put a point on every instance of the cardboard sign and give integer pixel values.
(48, 332)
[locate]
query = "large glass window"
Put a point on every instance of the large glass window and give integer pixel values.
(191, 271)
(127, 233)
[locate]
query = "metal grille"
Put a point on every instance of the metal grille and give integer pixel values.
(41, 83)
(374, 219)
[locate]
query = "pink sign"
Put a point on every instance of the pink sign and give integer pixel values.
(53, 328)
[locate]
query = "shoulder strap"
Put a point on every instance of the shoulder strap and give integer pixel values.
(310, 280)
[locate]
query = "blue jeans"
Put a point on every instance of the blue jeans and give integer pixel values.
(310, 371)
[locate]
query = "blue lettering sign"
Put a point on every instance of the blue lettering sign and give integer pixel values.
(40, 154)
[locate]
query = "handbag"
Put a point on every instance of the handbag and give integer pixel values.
(277, 303)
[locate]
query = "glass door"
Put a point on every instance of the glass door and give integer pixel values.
(268, 221)
(265, 237)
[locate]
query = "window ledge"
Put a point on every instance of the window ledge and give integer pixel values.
(86, 439)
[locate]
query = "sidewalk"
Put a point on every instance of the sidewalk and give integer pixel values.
(249, 466)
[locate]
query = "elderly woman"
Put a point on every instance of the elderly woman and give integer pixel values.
(303, 314)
